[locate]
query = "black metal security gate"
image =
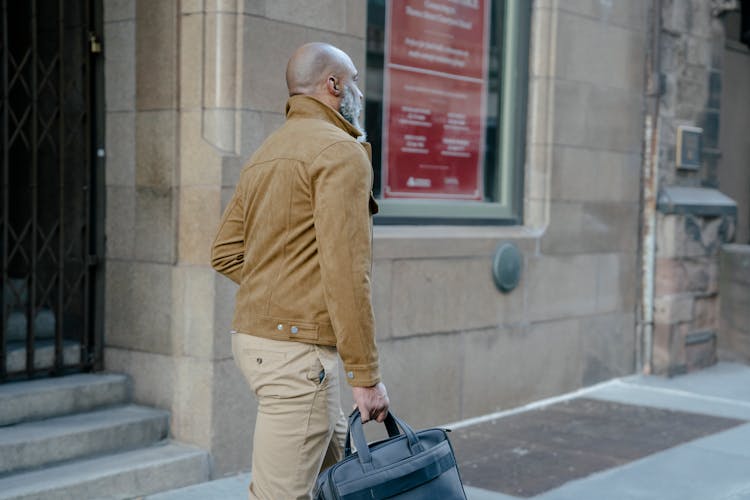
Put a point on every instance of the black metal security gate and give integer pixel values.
(49, 233)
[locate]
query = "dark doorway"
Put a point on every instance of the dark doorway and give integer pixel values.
(49, 231)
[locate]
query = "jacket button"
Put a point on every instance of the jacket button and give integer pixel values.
(295, 329)
(279, 327)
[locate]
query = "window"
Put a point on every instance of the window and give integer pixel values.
(445, 109)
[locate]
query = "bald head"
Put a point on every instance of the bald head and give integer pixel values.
(312, 66)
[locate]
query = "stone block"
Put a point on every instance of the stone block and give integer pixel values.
(632, 15)
(191, 61)
(139, 307)
(541, 50)
(255, 7)
(118, 10)
(501, 367)
(193, 312)
(616, 282)
(435, 295)
(735, 263)
(436, 242)
(698, 51)
(157, 55)
(253, 133)
(156, 148)
(200, 163)
(153, 375)
(536, 213)
(272, 121)
(614, 120)
(734, 343)
(198, 222)
(119, 73)
(609, 345)
(382, 283)
(191, 6)
(233, 422)
(561, 286)
(356, 18)
(328, 15)
(671, 309)
(226, 196)
(230, 6)
(192, 410)
(735, 313)
(599, 53)
(697, 274)
(570, 120)
(267, 47)
(119, 224)
(153, 296)
(668, 356)
(581, 174)
(706, 313)
(118, 306)
(591, 227)
(120, 149)
(699, 355)
(564, 233)
(154, 225)
(224, 298)
(220, 76)
(433, 367)
(537, 175)
(687, 16)
(541, 104)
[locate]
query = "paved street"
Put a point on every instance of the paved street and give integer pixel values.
(634, 438)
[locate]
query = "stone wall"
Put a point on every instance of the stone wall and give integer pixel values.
(689, 231)
(734, 287)
(686, 305)
(209, 87)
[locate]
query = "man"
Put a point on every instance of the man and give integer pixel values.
(296, 237)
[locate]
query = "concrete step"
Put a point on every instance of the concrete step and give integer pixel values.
(123, 475)
(51, 397)
(35, 444)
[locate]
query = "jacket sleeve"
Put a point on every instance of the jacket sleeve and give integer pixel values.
(228, 250)
(341, 182)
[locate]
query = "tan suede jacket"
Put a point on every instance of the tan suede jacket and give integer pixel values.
(297, 237)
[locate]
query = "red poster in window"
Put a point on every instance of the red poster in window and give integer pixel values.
(435, 87)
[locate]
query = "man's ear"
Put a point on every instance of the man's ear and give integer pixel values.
(334, 87)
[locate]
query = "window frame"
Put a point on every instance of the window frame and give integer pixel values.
(515, 16)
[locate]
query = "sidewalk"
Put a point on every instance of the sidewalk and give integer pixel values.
(634, 438)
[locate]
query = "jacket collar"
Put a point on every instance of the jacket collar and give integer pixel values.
(305, 106)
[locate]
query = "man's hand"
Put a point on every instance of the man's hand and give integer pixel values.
(372, 402)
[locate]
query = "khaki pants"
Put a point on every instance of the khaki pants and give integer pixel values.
(300, 427)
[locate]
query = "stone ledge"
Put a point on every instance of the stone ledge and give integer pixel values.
(695, 201)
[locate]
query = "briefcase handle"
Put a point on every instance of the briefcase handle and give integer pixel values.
(392, 425)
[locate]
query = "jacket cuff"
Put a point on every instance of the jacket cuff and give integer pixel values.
(362, 376)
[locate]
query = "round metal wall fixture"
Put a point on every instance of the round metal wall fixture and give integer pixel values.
(506, 267)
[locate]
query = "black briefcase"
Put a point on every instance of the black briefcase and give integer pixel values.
(409, 465)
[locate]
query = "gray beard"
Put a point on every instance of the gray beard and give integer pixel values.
(350, 109)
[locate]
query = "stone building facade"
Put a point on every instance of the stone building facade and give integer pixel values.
(192, 88)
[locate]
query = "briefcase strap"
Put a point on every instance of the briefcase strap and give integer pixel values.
(390, 426)
(358, 435)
